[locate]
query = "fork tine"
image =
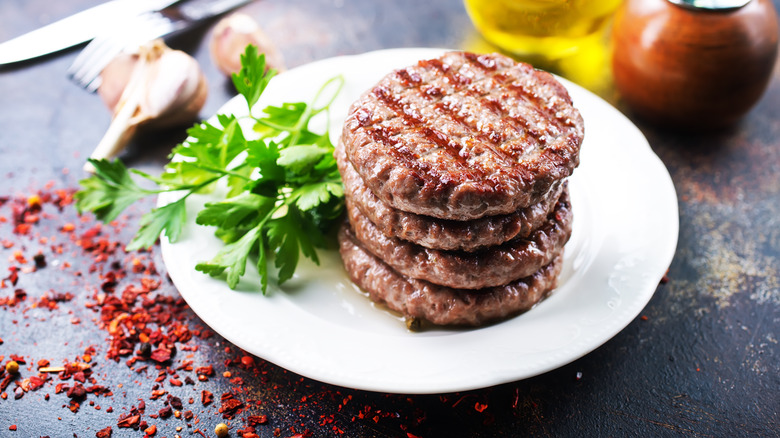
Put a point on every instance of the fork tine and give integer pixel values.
(93, 62)
(86, 69)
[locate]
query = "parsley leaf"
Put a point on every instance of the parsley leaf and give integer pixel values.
(232, 258)
(109, 191)
(168, 219)
(252, 79)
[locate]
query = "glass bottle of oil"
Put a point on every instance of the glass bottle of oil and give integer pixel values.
(549, 29)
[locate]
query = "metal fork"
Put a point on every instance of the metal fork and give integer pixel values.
(85, 70)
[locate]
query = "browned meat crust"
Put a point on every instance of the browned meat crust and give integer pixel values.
(493, 266)
(464, 136)
(439, 304)
(444, 234)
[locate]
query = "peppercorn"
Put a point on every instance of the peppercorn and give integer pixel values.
(221, 430)
(145, 349)
(12, 367)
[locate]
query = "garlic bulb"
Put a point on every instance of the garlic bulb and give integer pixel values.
(164, 87)
(231, 36)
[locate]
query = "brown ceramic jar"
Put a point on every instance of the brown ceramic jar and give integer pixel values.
(693, 67)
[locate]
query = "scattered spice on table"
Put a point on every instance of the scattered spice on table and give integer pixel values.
(147, 343)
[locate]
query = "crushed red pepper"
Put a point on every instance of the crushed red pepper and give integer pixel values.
(148, 328)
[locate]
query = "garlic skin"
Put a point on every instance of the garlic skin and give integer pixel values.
(229, 40)
(114, 78)
(177, 92)
(165, 87)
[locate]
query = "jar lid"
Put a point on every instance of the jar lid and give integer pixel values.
(711, 5)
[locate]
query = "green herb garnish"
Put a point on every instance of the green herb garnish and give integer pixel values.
(284, 191)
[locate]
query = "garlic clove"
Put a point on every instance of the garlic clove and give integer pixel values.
(177, 90)
(231, 36)
(114, 78)
(164, 87)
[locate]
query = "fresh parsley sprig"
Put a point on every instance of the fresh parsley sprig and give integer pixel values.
(284, 191)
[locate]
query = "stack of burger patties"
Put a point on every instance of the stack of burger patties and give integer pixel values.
(455, 178)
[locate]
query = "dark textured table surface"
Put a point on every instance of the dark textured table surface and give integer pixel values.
(702, 359)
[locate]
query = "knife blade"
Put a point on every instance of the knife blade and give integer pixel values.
(75, 29)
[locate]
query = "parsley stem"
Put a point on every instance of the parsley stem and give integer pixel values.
(311, 111)
(272, 125)
(339, 86)
(221, 172)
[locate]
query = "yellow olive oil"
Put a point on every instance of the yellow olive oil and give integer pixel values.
(551, 29)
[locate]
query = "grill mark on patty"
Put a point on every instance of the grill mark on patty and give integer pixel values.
(495, 106)
(485, 63)
(432, 135)
(408, 79)
(535, 103)
(491, 140)
(402, 154)
(452, 76)
(520, 124)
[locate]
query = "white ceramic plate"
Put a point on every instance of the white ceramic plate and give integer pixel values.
(321, 326)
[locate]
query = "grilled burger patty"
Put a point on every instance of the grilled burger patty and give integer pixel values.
(443, 233)
(463, 136)
(493, 266)
(441, 304)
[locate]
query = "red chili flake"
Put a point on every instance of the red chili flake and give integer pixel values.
(151, 430)
(480, 406)
(205, 370)
(37, 381)
(130, 421)
(161, 355)
(230, 408)
(175, 402)
(77, 392)
(104, 433)
(12, 278)
(255, 420)
(643, 318)
(165, 412)
(206, 397)
(247, 432)
(175, 382)
(247, 361)
(12, 427)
